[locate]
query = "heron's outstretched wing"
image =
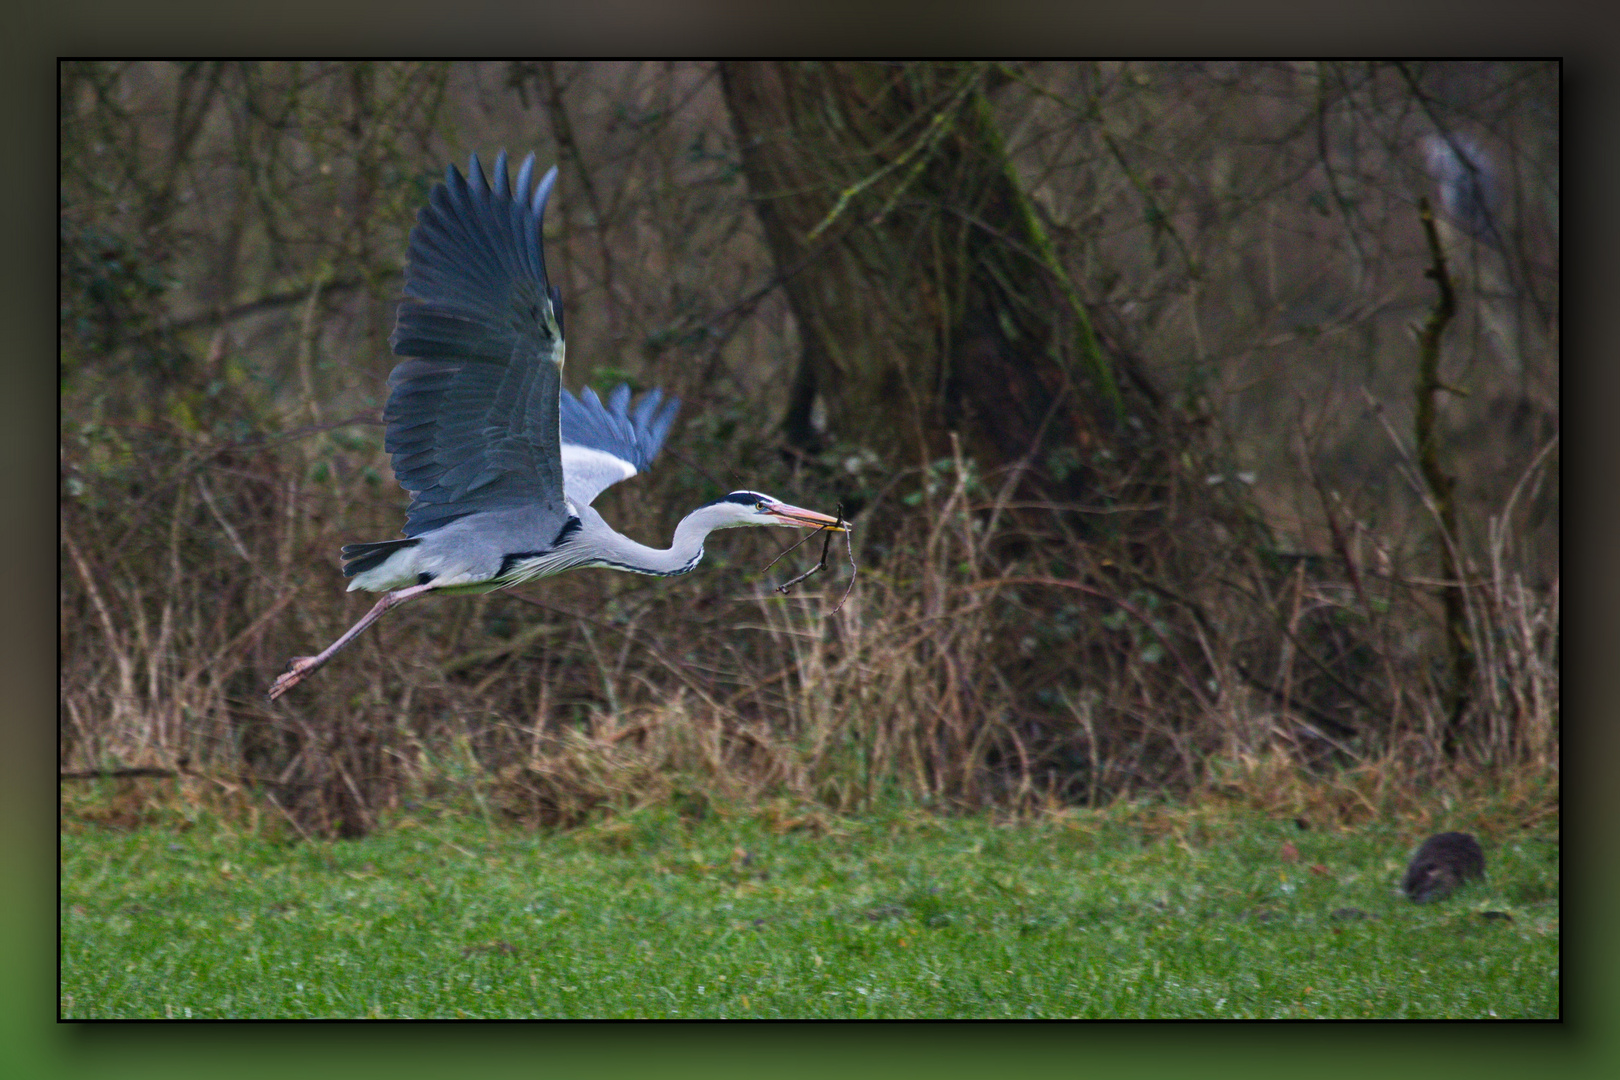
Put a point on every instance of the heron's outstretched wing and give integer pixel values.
(472, 418)
(603, 444)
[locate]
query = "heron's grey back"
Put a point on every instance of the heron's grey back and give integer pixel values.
(631, 438)
(473, 416)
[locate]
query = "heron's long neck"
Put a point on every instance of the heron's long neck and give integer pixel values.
(683, 554)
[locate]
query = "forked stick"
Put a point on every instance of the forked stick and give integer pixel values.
(821, 564)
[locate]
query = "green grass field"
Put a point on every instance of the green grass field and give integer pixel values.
(1133, 912)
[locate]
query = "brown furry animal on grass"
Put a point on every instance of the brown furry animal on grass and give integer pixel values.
(1441, 864)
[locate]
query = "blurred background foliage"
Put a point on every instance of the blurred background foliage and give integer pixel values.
(1113, 364)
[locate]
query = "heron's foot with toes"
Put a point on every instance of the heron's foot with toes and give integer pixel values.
(297, 668)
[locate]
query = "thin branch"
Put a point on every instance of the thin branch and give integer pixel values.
(921, 149)
(1440, 484)
(269, 302)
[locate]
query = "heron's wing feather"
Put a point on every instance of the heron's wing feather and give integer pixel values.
(472, 416)
(605, 443)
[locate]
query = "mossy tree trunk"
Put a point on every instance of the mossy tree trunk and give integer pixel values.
(927, 295)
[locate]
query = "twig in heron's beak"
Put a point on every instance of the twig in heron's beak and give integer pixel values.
(849, 547)
(790, 548)
(821, 564)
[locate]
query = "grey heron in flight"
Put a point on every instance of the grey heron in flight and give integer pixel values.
(501, 463)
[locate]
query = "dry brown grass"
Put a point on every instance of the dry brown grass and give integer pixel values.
(953, 676)
(1488, 801)
(950, 677)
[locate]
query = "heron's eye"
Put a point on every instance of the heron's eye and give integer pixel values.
(760, 506)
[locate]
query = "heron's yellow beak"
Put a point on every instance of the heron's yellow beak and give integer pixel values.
(807, 519)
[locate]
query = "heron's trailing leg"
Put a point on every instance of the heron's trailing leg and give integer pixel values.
(302, 666)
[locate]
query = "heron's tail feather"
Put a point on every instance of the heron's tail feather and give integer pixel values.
(358, 558)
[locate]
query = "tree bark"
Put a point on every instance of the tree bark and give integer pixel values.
(927, 296)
